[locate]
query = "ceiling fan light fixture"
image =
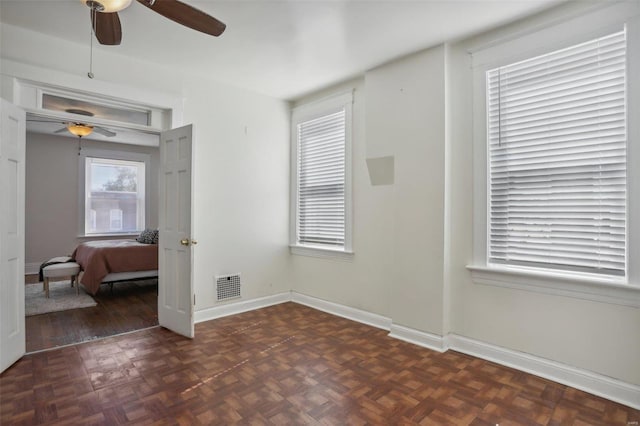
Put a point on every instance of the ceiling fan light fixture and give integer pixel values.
(107, 6)
(79, 129)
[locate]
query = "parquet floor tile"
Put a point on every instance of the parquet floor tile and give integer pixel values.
(283, 365)
(129, 306)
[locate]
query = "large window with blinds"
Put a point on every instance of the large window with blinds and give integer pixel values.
(557, 138)
(321, 202)
(113, 192)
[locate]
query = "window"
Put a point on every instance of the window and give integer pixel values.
(115, 220)
(555, 193)
(557, 141)
(321, 195)
(114, 200)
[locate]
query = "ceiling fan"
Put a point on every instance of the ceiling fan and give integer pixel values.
(106, 23)
(78, 128)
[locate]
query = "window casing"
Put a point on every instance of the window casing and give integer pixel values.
(321, 177)
(620, 289)
(113, 196)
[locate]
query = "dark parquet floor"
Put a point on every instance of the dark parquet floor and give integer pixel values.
(130, 306)
(286, 364)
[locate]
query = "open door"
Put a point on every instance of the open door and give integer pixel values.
(175, 289)
(12, 189)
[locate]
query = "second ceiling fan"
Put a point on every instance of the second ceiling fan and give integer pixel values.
(108, 31)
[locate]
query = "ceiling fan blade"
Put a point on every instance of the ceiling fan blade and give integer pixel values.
(106, 27)
(64, 129)
(104, 132)
(186, 15)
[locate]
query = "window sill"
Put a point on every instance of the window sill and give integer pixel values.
(135, 234)
(613, 291)
(321, 252)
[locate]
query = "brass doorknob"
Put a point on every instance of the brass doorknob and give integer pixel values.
(184, 241)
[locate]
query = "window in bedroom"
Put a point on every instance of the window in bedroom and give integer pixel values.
(114, 193)
(115, 220)
(321, 205)
(557, 160)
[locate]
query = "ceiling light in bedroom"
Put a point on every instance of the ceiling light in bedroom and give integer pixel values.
(108, 6)
(79, 129)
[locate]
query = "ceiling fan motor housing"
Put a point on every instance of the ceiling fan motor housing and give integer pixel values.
(107, 6)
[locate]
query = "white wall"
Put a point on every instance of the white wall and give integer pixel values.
(405, 119)
(51, 221)
(397, 268)
(241, 152)
(600, 337)
(402, 239)
(413, 239)
(362, 282)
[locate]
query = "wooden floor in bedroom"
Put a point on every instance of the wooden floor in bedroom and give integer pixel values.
(285, 364)
(131, 306)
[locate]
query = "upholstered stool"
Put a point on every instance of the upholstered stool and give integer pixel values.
(67, 269)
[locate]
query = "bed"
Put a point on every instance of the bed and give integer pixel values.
(109, 261)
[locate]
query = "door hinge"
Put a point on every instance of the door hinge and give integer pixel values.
(194, 299)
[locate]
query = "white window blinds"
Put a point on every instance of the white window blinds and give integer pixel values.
(321, 180)
(557, 153)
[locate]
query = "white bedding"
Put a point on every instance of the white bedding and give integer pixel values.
(123, 276)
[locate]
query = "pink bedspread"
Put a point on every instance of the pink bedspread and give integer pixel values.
(100, 258)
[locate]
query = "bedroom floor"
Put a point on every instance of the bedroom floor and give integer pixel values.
(131, 306)
(285, 364)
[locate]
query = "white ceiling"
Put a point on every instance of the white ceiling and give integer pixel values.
(284, 49)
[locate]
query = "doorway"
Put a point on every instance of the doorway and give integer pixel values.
(175, 286)
(54, 226)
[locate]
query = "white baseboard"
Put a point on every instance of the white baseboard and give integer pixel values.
(420, 338)
(354, 314)
(594, 383)
(239, 307)
(32, 268)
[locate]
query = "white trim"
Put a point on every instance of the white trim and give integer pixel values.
(513, 48)
(633, 151)
(322, 106)
(321, 252)
(240, 307)
(596, 384)
(343, 311)
(32, 268)
(309, 111)
(114, 235)
(420, 338)
(561, 27)
(35, 76)
(111, 155)
(598, 290)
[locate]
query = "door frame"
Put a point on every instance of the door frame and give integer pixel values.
(28, 93)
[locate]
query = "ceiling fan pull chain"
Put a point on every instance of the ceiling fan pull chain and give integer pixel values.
(90, 73)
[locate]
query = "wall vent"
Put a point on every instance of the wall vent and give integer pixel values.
(227, 286)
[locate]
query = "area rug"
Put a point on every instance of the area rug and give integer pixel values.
(62, 297)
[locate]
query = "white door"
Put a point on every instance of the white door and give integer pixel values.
(175, 289)
(12, 156)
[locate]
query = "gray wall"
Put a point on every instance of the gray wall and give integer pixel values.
(51, 220)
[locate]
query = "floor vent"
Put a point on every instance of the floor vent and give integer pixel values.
(228, 286)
